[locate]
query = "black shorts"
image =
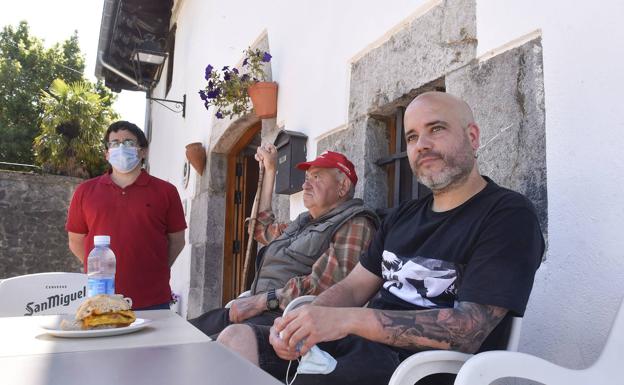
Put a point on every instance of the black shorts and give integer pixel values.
(359, 361)
(214, 321)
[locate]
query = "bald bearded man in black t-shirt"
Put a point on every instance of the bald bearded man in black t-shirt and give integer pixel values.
(450, 269)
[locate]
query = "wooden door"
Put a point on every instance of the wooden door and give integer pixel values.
(242, 182)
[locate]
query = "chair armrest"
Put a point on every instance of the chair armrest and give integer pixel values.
(242, 295)
(423, 364)
(486, 367)
(299, 301)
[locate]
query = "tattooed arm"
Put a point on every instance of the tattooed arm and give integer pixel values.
(333, 315)
(463, 328)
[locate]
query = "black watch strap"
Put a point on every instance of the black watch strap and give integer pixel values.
(272, 301)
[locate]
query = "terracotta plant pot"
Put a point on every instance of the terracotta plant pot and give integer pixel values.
(196, 155)
(264, 98)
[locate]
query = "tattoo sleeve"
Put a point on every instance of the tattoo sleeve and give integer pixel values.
(463, 328)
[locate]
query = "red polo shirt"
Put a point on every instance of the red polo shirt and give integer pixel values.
(138, 219)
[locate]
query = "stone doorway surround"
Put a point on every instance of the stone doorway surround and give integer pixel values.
(207, 218)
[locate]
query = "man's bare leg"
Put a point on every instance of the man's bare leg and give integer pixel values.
(241, 339)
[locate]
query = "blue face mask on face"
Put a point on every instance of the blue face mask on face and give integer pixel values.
(123, 159)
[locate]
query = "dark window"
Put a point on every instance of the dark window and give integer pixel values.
(401, 181)
(170, 50)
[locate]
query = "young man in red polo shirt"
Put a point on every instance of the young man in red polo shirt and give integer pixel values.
(142, 214)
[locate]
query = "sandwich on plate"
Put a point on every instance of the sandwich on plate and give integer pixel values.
(105, 311)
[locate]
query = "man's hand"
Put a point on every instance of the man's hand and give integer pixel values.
(267, 155)
(281, 348)
(245, 308)
(309, 325)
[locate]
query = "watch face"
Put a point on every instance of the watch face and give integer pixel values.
(273, 304)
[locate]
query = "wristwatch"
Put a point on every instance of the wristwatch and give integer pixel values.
(272, 301)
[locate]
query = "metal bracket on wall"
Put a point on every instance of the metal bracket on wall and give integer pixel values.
(179, 106)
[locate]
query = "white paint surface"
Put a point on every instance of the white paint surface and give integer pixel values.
(579, 287)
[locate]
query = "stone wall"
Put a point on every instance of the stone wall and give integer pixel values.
(33, 210)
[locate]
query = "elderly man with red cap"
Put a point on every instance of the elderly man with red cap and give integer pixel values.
(310, 254)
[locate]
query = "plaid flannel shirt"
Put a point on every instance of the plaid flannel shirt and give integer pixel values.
(349, 241)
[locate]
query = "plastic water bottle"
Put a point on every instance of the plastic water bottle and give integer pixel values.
(101, 265)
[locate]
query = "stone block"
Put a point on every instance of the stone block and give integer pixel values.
(198, 220)
(506, 94)
(439, 41)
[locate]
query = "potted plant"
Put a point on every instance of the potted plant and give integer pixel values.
(229, 90)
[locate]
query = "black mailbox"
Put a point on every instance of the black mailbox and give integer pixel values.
(291, 149)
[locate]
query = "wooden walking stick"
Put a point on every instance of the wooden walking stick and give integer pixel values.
(252, 222)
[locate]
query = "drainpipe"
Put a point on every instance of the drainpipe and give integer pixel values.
(148, 127)
(120, 74)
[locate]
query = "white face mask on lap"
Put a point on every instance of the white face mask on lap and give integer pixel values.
(123, 159)
(316, 361)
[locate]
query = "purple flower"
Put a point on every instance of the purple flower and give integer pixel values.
(202, 95)
(210, 84)
(226, 76)
(208, 72)
(245, 61)
(244, 78)
(219, 115)
(206, 105)
(266, 57)
(214, 93)
(225, 68)
(235, 70)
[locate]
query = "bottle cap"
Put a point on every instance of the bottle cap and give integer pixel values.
(99, 240)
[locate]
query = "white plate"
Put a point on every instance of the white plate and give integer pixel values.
(52, 327)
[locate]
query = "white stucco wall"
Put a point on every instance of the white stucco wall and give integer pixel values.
(311, 42)
(580, 285)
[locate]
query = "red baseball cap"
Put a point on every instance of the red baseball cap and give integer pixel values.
(330, 159)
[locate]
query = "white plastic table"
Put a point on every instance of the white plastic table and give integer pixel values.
(168, 351)
(205, 363)
(24, 336)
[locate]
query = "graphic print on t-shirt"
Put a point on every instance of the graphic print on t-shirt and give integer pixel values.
(425, 282)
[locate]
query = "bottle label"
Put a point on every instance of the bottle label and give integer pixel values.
(97, 286)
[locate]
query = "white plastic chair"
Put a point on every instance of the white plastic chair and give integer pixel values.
(299, 301)
(241, 295)
(423, 364)
(484, 368)
(43, 293)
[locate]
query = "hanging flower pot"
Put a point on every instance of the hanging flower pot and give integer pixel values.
(196, 155)
(229, 89)
(264, 99)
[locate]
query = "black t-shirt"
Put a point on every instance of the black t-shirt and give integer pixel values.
(485, 251)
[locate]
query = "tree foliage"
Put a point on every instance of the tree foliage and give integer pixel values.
(73, 123)
(26, 68)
